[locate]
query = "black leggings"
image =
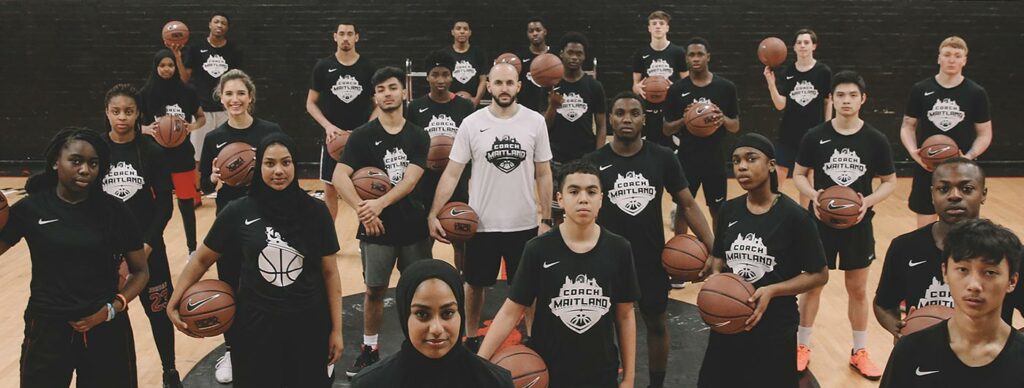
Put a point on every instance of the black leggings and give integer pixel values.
(154, 299)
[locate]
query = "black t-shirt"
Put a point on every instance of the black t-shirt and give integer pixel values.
(846, 160)
(572, 132)
(184, 103)
(208, 63)
(701, 156)
(469, 66)
(925, 359)
(805, 93)
(405, 221)
(278, 274)
(951, 112)
(576, 295)
(439, 120)
(632, 187)
(769, 248)
(75, 250)
(531, 95)
(346, 94)
(139, 177)
(222, 136)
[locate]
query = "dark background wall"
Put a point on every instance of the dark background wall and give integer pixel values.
(59, 57)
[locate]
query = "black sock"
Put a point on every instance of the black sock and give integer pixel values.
(187, 209)
(657, 379)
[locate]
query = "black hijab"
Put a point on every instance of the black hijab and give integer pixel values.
(761, 143)
(159, 92)
(284, 209)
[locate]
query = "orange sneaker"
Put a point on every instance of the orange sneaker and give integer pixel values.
(860, 361)
(803, 357)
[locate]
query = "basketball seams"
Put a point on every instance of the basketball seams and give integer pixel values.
(728, 297)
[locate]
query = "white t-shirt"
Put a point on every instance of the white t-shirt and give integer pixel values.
(503, 152)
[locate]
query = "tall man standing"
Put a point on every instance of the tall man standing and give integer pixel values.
(659, 58)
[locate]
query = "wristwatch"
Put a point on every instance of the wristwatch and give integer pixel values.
(548, 221)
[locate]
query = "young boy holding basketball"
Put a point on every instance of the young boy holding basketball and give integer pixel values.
(845, 151)
(471, 63)
(581, 278)
(659, 58)
(530, 94)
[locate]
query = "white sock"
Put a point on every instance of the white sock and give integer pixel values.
(860, 340)
(803, 335)
(370, 340)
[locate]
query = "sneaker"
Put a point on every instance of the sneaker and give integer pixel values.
(223, 369)
(367, 357)
(860, 361)
(803, 357)
(473, 343)
(172, 379)
(677, 284)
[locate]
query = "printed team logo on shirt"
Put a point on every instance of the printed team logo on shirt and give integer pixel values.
(463, 72)
(580, 303)
(122, 181)
(573, 107)
(441, 125)
(946, 114)
(506, 154)
(215, 66)
(175, 110)
(631, 193)
(395, 162)
(936, 293)
(844, 167)
(280, 264)
(748, 257)
(660, 68)
(803, 93)
(347, 88)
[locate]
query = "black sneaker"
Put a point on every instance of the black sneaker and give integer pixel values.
(172, 379)
(473, 343)
(367, 357)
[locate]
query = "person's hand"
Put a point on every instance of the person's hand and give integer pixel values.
(626, 383)
(864, 206)
(814, 200)
(769, 75)
(374, 227)
(336, 345)
(436, 231)
(555, 99)
(215, 175)
(719, 117)
(87, 323)
(762, 296)
(899, 327)
(175, 318)
(638, 88)
(916, 155)
(712, 267)
(149, 129)
(331, 132)
(175, 47)
(147, 249)
(370, 209)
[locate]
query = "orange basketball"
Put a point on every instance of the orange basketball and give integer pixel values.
(547, 70)
(656, 88)
(175, 32)
(337, 145)
(208, 307)
(937, 148)
(771, 51)
(925, 317)
(699, 119)
(440, 148)
(684, 257)
(237, 163)
(458, 220)
(722, 303)
(511, 59)
(527, 368)
(5, 210)
(171, 131)
(839, 206)
(371, 182)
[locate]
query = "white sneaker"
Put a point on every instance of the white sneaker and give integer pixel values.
(223, 369)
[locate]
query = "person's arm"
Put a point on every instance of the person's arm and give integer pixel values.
(554, 102)
(200, 120)
(625, 327)
(480, 90)
(673, 113)
(982, 141)
(690, 211)
(796, 285)
(195, 267)
(908, 136)
(883, 191)
(504, 321)
(773, 90)
(889, 318)
(138, 275)
(445, 189)
(207, 182)
(638, 85)
(731, 124)
(802, 180)
(600, 129)
(542, 178)
(342, 179)
(332, 285)
(828, 108)
(730, 117)
(372, 208)
(330, 130)
(184, 72)
(888, 294)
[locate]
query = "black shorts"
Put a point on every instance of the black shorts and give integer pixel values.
(104, 357)
(327, 165)
(652, 131)
(714, 188)
(854, 246)
(485, 250)
(654, 283)
(785, 155)
(281, 349)
(920, 201)
(765, 358)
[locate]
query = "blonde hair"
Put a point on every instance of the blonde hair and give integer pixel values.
(954, 42)
(236, 74)
(660, 15)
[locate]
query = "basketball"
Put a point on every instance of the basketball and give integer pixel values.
(925, 317)
(337, 145)
(684, 257)
(208, 307)
(656, 88)
(175, 32)
(440, 148)
(722, 303)
(547, 70)
(5, 210)
(772, 51)
(371, 182)
(526, 366)
(839, 206)
(511, 59)
(236, 162)
(699, 119)
(458, 220)
(937, 148)
(170, 131)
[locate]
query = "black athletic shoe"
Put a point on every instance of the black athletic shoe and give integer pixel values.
(367, 357)
(171, 379)
(473, 343)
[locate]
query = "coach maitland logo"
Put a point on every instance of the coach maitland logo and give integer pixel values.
(580, 303)
(464, 71)
(215, 65)
(631, 193)
(395, 162)
(441, 125)
(573, 107)
(122, 181)
(937, 293)
(946, 114)
(748, 257)
(347, 88)
(660, 68)
(844, 167)
(280, 264)
(174, 110)
(506, 154)
(803, 93)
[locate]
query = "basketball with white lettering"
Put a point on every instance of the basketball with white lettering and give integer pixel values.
(547, 70)
(722, 302)
(237, 163)
(371, 182)
(925, 317)
(175, 32)
(527, 368)
(839, 206)
(511, 59)
(440, 149)
(171, 131)
(656, 88)
(937, 148)
(337, 145)
(701, 119)
(772, 51)
(5, 210)
(208, 307)
(683, 257)
(458, 220)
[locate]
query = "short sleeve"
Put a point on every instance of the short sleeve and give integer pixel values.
(542, 149)
(981, 112)
(914, 103)
(127, 232)
(600, 102)
(884, 154)
(628, 287)
(356, 149)
(328, 234)
(315, 81)
(674, 103)
(638, 64)
(420, 146)
(782, 84)
(462, 151)
(732, 108)
(718, 248)
(826, 82)
(887, 295)
(221, 236)
(675, 178)
(14, 231)
(805, 153)
(810, 253)
(526, 282)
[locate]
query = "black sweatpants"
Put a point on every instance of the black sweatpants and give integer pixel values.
(281, 349)
(103, 357)
(154, 300)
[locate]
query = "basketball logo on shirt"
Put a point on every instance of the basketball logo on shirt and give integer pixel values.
(280, 264)
(748, 257)
(803, 93)
(441, 125)
(946, 114)
(506, 154)
(122, 181)
(174, 110)
(463, 72)
(660, 68)
(580, 303)
(631, 193)
(347, 88)
(573, 107)
(215, 66)
(936, 293)
(844, 167)
(395, 162)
